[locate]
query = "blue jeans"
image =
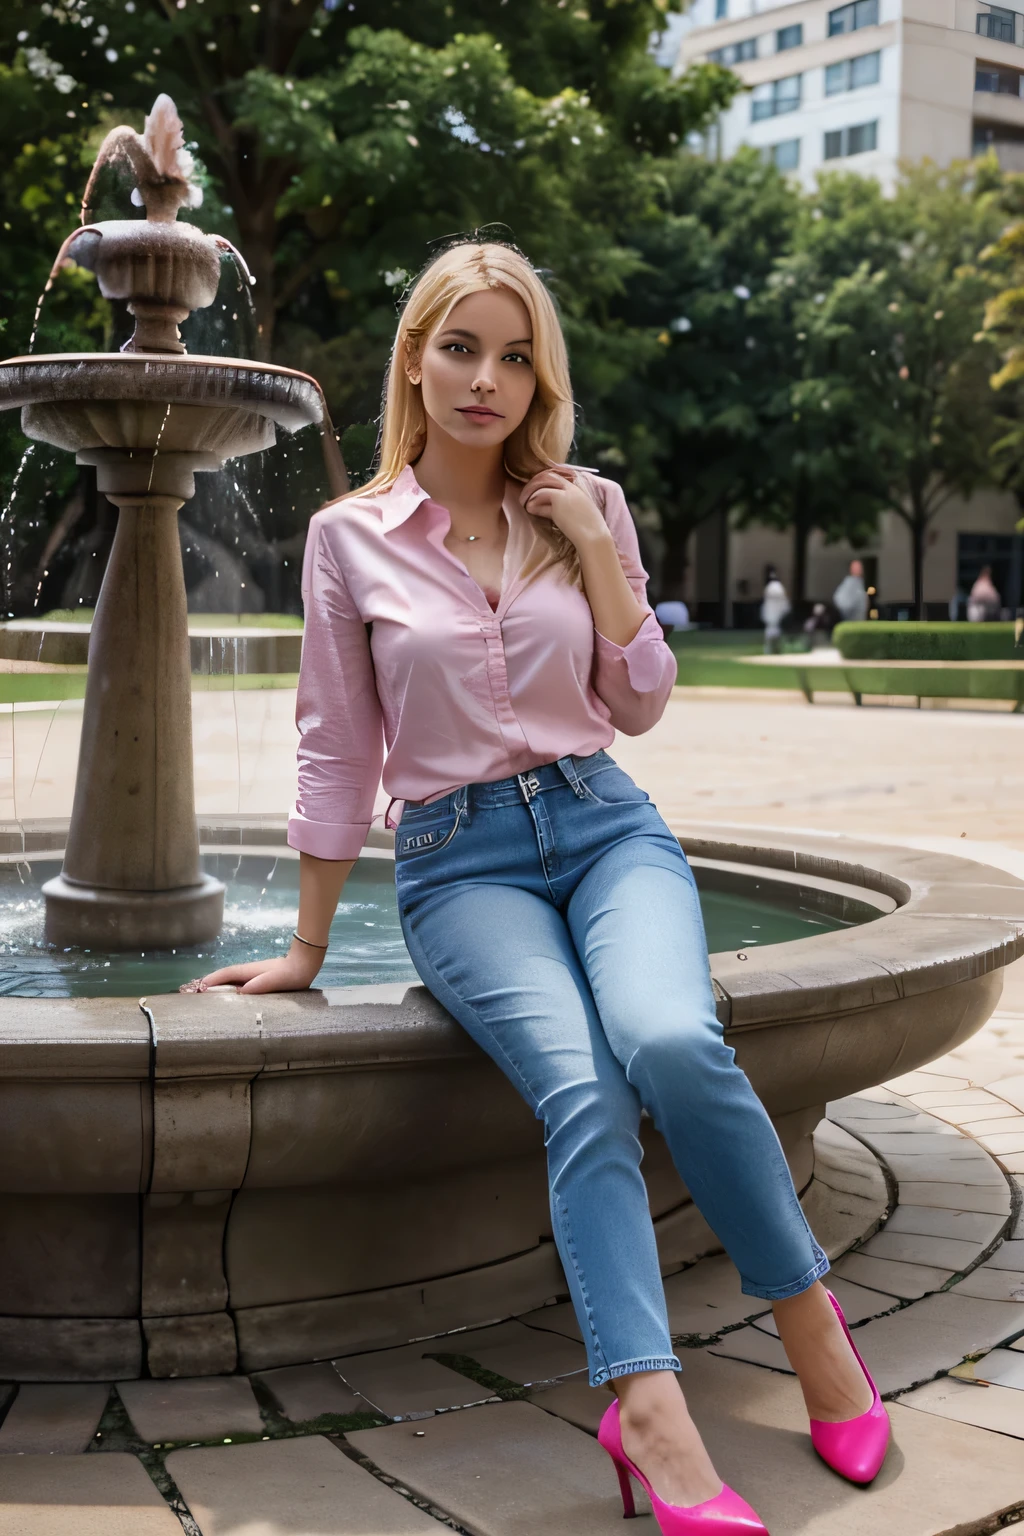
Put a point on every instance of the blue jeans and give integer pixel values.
(555, 916)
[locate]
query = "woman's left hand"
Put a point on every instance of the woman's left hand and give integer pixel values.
(557, 495)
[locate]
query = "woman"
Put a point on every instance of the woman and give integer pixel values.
(482, 607)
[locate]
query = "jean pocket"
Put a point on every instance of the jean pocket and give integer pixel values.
(427, 835)
(611, 785)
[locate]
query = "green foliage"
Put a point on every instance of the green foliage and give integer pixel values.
(880, 641)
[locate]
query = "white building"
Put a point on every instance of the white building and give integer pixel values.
(867, 83)
(860, 85)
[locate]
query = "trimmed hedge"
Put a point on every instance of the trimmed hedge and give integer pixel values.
(879, 640)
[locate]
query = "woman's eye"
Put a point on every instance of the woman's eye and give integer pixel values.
(516, 357)
(454, 346)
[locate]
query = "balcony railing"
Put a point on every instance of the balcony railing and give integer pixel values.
(1001, 25)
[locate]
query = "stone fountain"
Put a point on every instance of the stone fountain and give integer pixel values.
(148, 419)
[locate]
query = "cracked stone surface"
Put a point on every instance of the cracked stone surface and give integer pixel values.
(402, 1384)
(304, 1392)
(59, 1419)
(192, 1408)
(103, 1495)
(300, 1487)
(523, 1355)
(506, 1470)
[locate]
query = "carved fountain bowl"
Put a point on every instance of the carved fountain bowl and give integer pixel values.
(223, 407)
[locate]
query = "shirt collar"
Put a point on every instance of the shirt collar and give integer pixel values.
(399, 502)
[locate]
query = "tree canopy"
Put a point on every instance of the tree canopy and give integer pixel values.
(740, 349)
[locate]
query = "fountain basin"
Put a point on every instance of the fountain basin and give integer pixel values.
(252, 1181)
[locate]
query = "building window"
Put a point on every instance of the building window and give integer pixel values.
(998, 24)
(784, 156)
(843, 142)
(789, 37)
(735, 53)
(775, 97)
(999, 82)
(851, 74)
(850, 18)
(721, 9)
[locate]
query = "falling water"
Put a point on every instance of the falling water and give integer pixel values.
(156, 448)
(39, 310)
(5, 531)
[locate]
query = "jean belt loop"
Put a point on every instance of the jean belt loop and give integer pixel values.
(460, 802)
(567, 767)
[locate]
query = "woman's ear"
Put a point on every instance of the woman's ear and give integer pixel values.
(413, 369)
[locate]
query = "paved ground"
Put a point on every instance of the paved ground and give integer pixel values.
(917, 1196)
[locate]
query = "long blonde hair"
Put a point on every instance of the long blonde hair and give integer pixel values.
(544, 436)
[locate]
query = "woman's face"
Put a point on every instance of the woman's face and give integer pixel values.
(476, 369)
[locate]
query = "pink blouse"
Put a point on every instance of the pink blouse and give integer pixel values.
(402, 647)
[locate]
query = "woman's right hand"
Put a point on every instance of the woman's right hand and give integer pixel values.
(293, 972)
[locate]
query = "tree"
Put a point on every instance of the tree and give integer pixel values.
(684, 421)
(894, 343)
(336, 143)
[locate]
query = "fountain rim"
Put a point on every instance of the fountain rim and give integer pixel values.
(164, 370)
(956, 922)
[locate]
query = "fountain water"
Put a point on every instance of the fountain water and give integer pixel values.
(148, 419)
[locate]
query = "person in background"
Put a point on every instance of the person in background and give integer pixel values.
(984, 603)
(818, 626)
(851, 597)
(774, 607)
(672, 612)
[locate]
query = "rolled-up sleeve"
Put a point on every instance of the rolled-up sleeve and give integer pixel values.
(635, 681)
(338, 714)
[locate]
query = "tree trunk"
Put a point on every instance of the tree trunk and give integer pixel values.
(801, 533)
(918, 530)
(675, 561)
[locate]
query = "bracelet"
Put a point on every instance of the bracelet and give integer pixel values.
(309, 945)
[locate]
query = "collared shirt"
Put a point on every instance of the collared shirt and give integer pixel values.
(401, 648)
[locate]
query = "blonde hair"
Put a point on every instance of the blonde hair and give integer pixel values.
(544, 436)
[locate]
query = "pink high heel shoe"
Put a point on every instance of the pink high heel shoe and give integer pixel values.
(726, 1515)
(855, 1448)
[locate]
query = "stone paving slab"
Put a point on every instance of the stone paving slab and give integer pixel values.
(911, 1346)
(952, 1253)
(932, 1221)
(991, 1283)
(1009, 1255)
(300, 1487)
(108, 1494)
(191, 1408)
(560, 1318)
(997, 1408)
(402, 1384)
(954, 1196)
(910, 1281)
(305, 1392)
(58, 1419)
(706, 1298)
(503, 1470)
(1000, 1368)
(939, 1476)
(512, 1350)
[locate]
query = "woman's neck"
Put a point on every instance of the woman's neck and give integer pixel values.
(462, 477)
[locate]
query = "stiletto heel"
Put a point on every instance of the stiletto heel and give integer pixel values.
(855, 1448)
(626, 1489)
(726, 1515)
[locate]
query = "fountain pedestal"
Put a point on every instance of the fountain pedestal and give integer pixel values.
(131, 876)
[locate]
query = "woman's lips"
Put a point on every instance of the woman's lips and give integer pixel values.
(480, 412)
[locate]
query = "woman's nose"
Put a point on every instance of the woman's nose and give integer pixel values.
(484, 381)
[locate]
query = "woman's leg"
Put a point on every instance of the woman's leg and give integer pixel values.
(527, 1003)
(500, 959)
(636, 922)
